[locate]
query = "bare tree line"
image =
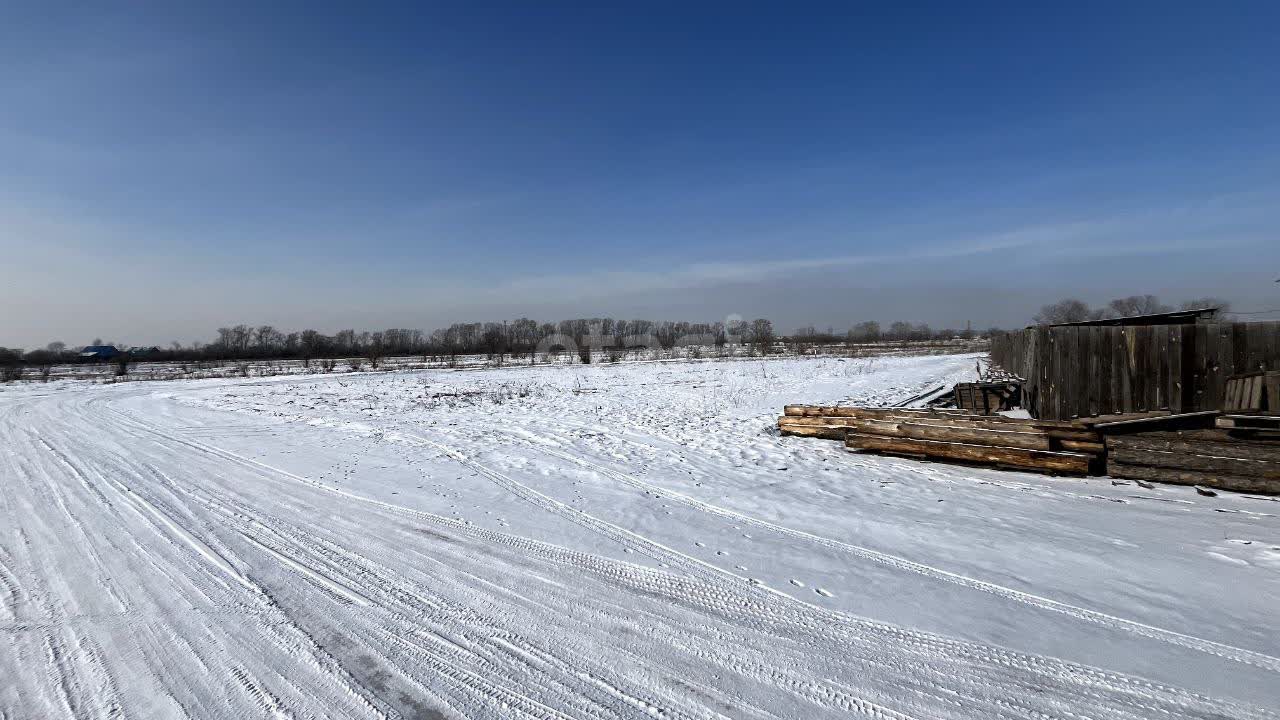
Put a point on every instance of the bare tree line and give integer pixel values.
(514, 339)
(872, 331)
(1075, 310)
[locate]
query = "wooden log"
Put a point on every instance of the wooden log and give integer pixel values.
(1238, 483)
(1192, 461)
(1058, 431)
(814, 421)
(1206, 442)
(816, 431)
(1076, 435)
(1020, 458)
(1084, 446)
(952, 433)
(941, 413)
(854, 411)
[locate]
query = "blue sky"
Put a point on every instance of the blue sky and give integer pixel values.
(420, 164)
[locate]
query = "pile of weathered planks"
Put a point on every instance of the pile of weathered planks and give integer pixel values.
(1158, 446)
(988, 398)
(953, 435)
(1245, 461)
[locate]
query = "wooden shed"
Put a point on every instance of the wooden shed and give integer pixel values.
(1179, 362)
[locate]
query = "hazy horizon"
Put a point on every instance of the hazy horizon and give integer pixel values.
(176, 172)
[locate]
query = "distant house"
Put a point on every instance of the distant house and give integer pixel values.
(138, 352)
(99, 352)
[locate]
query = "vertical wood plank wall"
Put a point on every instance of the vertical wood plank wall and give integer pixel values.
(1083, 371)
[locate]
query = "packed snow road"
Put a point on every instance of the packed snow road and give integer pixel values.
(598, 542)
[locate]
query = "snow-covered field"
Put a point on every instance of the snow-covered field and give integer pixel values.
(628, 540)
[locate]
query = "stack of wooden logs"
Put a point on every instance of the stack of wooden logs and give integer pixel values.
(953, 435)
(1157, 446)
(1246, 461)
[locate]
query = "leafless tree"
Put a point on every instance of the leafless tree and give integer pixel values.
(1222, 306)
(762, 335)
(1064, 311)
(374, 349)
(1133, 305)
(868, 331)
(900, 330)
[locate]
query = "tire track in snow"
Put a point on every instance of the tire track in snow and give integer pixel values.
(236, 514)
(1084, 678)
(163, 521)
(1229, 652)
(712, 597)
(621, 535)
(1002, 671)
(11, 591)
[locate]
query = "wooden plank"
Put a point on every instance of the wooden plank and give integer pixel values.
(1238, 483)
(1224, 362)
(1116, 417)
(1270, 333)
(1192, 461)
(1045, 461)
(1186, 375)
(1200, 419)
(1230, 401)
(1044, 343)
(1151, 367)
(1069, 373)
(1160, 363)
(1081, 379)
(1102, 349)
(1053, 379)
(1212, 386)
(1272, 382)
(1043, 407)
(1089, 346)
(1137, 367)
(1255, 347)
(1249, 421)
(1240, 348)
(1256, 387)
(1218, 443)
(1201, 397)
(1127, 403)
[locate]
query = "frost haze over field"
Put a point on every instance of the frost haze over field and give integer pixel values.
(630, 540)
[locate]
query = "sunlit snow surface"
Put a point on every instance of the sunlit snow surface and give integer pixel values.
(601, 541)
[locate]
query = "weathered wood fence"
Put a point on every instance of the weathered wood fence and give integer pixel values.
(1086, 370)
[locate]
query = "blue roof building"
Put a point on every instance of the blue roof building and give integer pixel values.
(99, 352)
